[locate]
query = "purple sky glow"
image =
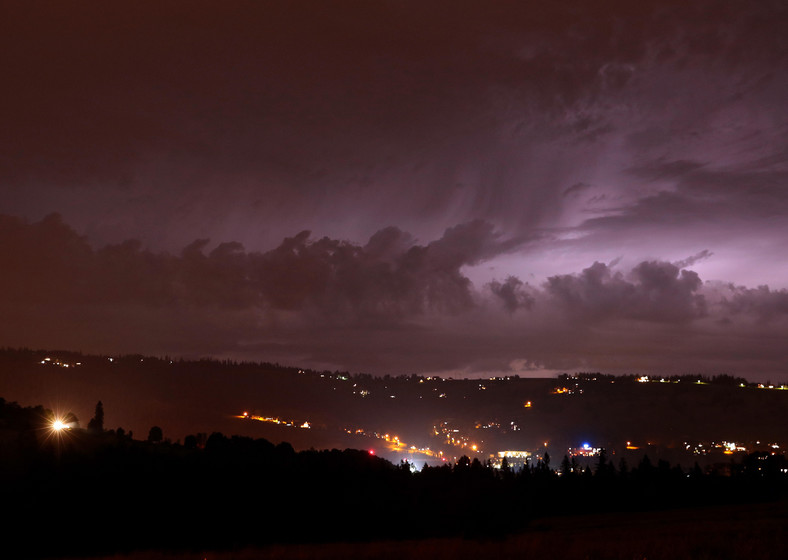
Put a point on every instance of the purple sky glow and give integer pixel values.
(399, 187)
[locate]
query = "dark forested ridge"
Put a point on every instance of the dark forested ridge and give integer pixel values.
(682, 418)
(99, 490)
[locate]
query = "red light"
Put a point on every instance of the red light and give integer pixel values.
(371, 451)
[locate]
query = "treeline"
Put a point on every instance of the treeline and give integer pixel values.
(27, 355)
(98, 491)
(720, 379)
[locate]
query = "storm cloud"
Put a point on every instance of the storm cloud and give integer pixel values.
(238, 121)
(399, 186)
(390, 305)
(654, 291)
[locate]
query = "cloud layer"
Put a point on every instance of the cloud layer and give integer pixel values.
(399, 186)
(659, 124)
(388, 306)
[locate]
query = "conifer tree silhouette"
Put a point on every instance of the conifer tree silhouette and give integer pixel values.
(97, 422)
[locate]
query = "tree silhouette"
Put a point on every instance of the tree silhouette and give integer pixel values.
(566, 466)
(97, 422)
(155, 435)
(505, 468)
(623, 469)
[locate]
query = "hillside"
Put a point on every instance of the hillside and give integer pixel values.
(661, 416)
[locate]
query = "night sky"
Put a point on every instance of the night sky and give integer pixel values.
(460, 188)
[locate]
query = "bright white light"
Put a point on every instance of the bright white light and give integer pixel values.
(58, 425)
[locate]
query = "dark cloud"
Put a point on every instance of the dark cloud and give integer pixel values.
(556, 135)
(689, 261)
(761, 303)
(392, 305)
(169, 122)
(512, 294)
(653, 291)
(760, 194)
(391, 277)
(694, 193)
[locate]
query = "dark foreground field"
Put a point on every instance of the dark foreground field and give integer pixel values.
(753, 531)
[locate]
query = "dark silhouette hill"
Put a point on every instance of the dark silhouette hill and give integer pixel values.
(100, 491)
(662, 417)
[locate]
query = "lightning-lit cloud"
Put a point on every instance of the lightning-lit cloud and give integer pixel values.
(236, 123)
(390, 305)
(399, 186)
